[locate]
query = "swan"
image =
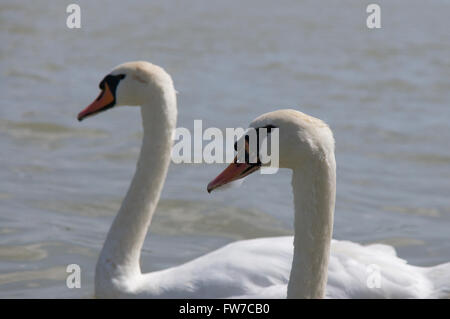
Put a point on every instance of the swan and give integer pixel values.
(257, 268)
(321, 266)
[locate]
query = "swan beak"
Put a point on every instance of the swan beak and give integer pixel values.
(103, 102)
(233, 172)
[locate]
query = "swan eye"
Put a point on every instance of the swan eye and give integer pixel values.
(112, 80)
(268, 127)
(247, 139)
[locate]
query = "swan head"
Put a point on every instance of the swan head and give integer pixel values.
(136, 83)
(302, 139)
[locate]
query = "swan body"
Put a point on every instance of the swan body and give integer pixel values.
(296, 267)
(259, 268)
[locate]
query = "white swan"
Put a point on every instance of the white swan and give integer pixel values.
(306, 146)
(251, 268)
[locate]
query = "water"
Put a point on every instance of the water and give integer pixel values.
(385, 93)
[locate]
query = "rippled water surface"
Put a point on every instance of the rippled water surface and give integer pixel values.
(385, 94)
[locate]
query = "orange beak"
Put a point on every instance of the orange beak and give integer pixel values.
(103, 102)
(233, 172)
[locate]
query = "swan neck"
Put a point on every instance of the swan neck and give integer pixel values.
(314, 187)
(121, 252)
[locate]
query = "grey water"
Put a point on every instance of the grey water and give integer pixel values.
(384, 92)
